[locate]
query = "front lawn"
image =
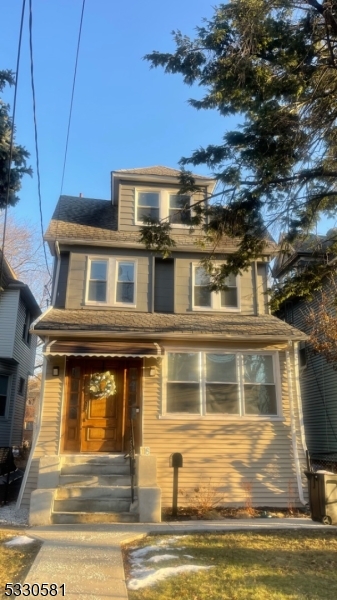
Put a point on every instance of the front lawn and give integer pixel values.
(250, 565)
(16, 561)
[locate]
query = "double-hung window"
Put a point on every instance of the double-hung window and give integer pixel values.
(204, 299)
(214, 384)
(111, 282)
(4, 387)
(163, 204)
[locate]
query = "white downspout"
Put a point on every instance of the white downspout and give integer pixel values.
(36, 436)
(299, 398)
(293, 431)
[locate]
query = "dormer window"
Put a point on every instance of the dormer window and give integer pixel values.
(148, 205)
(163, 204)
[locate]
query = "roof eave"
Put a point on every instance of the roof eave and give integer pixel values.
(275, 338)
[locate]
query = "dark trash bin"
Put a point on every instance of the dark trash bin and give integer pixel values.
(323, 496)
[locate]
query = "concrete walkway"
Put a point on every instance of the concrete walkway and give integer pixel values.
(88, 558)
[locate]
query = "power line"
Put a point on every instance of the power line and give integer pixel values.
(12, 138)
(72, 97)
(35, 128)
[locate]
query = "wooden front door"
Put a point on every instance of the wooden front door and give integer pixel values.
(96, 416)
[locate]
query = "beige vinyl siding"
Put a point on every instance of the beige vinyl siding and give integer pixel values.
(183, 287)
(75, 297)
(49, 435)
(227, 454)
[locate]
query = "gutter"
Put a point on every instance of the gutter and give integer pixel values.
(169, 335)
(299, 398)
(293, 431)
(35, 438)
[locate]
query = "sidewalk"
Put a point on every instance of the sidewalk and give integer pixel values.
(88, 558)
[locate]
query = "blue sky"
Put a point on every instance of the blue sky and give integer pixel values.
(125, 114)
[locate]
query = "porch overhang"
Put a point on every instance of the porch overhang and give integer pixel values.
(103, 349)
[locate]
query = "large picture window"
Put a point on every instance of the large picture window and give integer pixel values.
(205, 383)
(204, 299)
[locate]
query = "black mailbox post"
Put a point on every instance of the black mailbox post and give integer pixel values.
(175, 461)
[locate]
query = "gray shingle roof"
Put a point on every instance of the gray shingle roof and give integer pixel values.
(116, 322)
(92, 220)
(159, 170)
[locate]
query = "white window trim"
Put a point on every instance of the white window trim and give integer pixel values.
(164, 204)
(216, 296)
(112, 273)
(8, 396)
(202, 415)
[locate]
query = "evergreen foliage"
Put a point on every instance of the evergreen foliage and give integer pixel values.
(20, 155)
(272, 64)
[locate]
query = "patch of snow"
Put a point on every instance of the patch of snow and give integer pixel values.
(10, 516)
(188, 556)
(171, 540)
(148, 578)
(21, 540)
(146, 550)
(157, 559)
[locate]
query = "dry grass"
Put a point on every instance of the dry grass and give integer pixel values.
(15, 562)
(254, 565)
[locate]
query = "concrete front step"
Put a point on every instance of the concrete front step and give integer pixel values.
(94, 480)
(101, 493)
(95, 469)
(92, 505)
(63, 518)
(97, 458)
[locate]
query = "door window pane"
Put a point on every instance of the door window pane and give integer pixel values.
(183, 398)
(125, 282)
(148, 205)
(183, 367)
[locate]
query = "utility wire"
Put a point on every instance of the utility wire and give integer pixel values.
(72, 97)
(12, 139)
(35, 128)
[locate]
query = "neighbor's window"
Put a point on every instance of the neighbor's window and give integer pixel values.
(98, 278)
(21, 386)
(147, 205)
(125, 288)
(4, 379)
(203, 298)
(179, 209)
(206, 383)
(26, 325)
(29, 425)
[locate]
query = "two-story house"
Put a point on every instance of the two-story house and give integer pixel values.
(318, 378)
(18, 309)
(209, 375)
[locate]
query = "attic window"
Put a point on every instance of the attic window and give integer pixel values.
(148, 205)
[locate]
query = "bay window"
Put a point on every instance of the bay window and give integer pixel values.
(210, 383)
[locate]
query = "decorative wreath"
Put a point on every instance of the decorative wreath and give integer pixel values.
(102, 385)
